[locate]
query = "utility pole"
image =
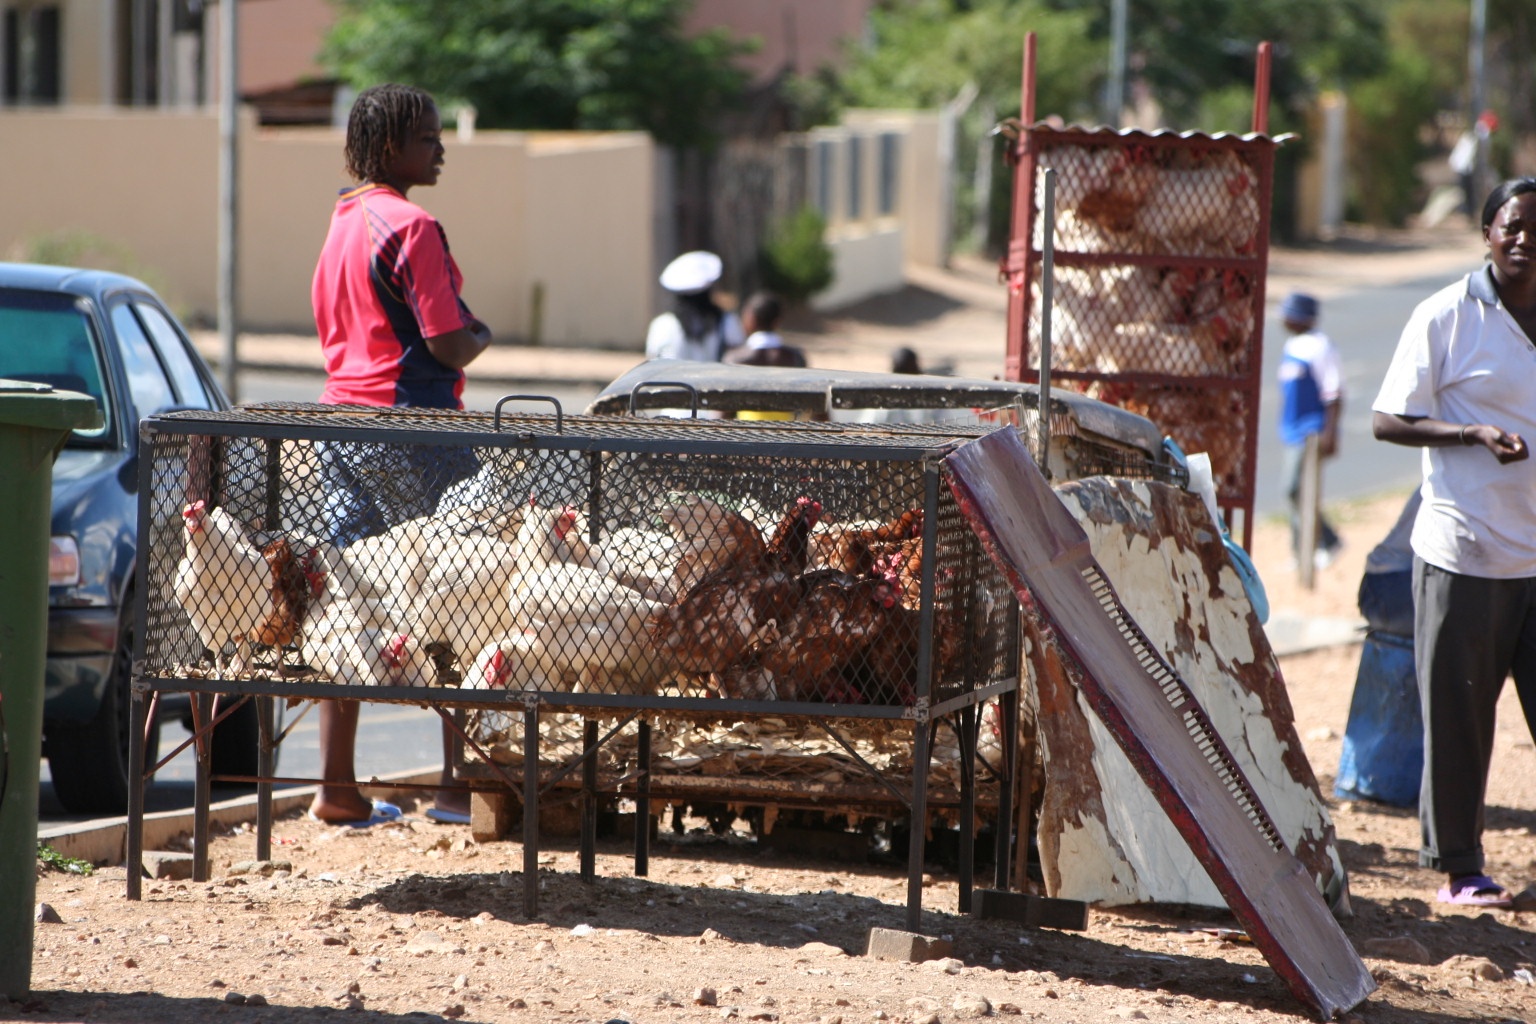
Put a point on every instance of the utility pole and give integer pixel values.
(229, 109)
(1115, 101)
(1478, 86)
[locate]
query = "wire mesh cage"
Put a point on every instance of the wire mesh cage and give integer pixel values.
(580, 561)
(1159, 256)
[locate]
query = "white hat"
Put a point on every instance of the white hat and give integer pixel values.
(691, 272)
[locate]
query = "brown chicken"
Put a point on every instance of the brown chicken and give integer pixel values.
(295, 581)
(823, 640)
(854, 549)
(724, 615)
(889, 671)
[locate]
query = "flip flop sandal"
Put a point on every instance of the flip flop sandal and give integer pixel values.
(1474, 891)
(383, 814)
(444, 816)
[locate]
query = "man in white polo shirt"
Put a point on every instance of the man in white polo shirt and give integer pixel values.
(1462, 386)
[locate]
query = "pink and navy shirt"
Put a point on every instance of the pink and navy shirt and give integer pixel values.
(385, 283)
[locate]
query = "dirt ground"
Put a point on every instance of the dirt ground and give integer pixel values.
(415, 921)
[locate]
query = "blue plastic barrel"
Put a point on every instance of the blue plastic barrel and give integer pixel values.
(1383, 755)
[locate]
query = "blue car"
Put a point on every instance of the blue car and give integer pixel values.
(110, 337)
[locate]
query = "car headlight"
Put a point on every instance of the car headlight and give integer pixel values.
(63, 562)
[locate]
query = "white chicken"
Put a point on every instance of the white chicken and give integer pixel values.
(592, 626)
(223, 582)
(352, 650)
(707, 536)
(459, 600)
(439, 579)
(518, 661)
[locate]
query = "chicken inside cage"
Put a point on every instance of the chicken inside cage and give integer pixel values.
(803, 586)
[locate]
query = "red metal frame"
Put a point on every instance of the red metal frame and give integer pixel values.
(1222, 398)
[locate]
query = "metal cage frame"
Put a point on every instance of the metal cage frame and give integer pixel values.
(589, 438)
(1026, 263)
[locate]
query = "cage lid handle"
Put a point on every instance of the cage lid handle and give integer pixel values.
(559, 413)
(693, 394)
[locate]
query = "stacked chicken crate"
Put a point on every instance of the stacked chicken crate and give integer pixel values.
(686, 587)
(1159, 258)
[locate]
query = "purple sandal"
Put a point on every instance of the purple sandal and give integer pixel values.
(1474, 891)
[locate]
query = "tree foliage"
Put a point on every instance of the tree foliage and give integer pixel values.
(795, 260)
(1185, 50)
(928, 53)
(546, 64)
(925, 51)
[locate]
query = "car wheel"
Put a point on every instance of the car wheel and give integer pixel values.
(89, 763)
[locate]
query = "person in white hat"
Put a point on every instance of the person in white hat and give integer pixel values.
(695, 328)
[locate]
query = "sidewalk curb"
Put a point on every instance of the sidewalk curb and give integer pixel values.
(542, 380)
(104, 841)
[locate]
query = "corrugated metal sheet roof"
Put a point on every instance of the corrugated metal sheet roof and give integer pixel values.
(1157, 133)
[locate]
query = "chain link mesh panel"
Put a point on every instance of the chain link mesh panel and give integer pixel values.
(585, 560)
(1160, 249)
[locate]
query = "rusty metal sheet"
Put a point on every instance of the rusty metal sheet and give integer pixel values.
(1154, 716)
(1102, 836)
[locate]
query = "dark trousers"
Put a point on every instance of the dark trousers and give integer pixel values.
(1324, 536)
(371, 486)
(1469, 634)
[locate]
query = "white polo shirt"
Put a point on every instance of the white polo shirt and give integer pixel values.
(1462, 358)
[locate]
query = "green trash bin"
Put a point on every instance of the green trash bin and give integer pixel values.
(34, 422)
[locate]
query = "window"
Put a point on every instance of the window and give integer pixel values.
(174, 354)
(855, 177)
(890, 172)
(47, 337)
(147, 382)
(31, 38)
(824, 178)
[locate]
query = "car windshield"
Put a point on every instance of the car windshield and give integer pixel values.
(47, 337)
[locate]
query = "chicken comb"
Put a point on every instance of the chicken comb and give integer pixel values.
(193, 514)
(496, 671)
(565, 520)
(394, 651)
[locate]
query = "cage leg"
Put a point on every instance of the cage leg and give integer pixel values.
(589, 801)
(202, 789)
(967, 876)
(139, 711)
(531, 809)
(266, 755)
(1008, 722)
(921, 747)
(643, 802)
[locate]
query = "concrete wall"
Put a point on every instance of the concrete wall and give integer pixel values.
(871, 245)
(571, 216)
(570, 211)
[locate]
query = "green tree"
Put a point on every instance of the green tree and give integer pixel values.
(1187, 49)
(795, 260)
(926, 53)
(546, 64)
(1424, 74)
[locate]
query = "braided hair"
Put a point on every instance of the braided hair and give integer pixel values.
(381, 118)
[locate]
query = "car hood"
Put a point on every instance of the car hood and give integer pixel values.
(82, 467)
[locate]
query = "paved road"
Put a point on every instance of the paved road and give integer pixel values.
(1365, 325)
